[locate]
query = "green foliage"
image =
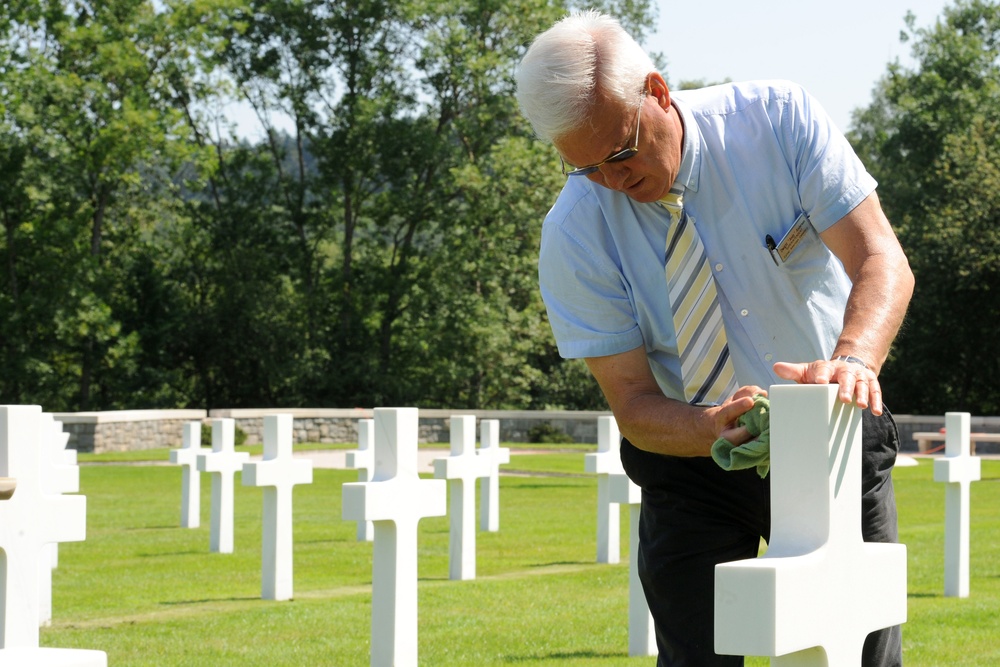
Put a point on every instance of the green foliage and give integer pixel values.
(547, 433)
(376, 244)
(932, 139)
(239, 437)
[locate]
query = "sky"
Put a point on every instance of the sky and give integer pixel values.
(836, 50)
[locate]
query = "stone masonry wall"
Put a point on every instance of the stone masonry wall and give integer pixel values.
(132, 430)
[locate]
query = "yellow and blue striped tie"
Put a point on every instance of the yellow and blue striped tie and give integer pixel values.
(706, 370)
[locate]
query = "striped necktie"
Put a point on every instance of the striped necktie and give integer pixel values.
(706, 370)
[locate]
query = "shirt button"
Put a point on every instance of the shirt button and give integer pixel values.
(718, 267)
(744, 312)
(768, 356)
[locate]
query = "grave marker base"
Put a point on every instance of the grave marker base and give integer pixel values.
(52, 657)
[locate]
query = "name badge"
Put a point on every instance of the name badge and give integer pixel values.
(792, 239)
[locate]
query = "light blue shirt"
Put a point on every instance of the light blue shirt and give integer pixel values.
(759, 159)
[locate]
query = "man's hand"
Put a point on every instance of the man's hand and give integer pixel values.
(732, 409)
(857, 383)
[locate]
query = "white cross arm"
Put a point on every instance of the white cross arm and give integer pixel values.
(624, 491)
(278, 472)
(223, 462)
(465, 467)
(607, 460)
(187, 456)
(957, 469)
(394, 500)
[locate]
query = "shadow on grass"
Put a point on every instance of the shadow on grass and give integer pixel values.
(564, 655)
(178, 603)
(164, 554)
(550, 485)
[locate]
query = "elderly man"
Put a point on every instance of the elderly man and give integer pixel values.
(706, 245)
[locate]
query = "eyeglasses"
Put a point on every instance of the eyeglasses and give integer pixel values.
(620, 156)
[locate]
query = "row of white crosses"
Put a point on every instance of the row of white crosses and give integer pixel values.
(614, 488)
(809, 601)
(34, 514)
(278, 472)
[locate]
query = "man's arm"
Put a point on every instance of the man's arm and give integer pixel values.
(864, 242)
(655, 423)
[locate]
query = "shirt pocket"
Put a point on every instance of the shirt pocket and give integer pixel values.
(799, 249)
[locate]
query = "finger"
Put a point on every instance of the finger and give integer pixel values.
(861, 393)
(875, 396)
(738, 435)
(789, 371)
(848, 381)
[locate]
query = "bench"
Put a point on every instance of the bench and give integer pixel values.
(924, 439)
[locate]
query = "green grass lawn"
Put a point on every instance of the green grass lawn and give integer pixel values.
(149, 592)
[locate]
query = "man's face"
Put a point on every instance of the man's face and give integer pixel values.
(645, 176)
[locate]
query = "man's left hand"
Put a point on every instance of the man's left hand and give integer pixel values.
(857, 383)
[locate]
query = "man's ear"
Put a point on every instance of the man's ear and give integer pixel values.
(657, 87)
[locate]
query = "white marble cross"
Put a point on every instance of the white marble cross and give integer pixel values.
(606, 462)
(818, 592)
(223, 462)
(278, 472)
(489, 487)
(462, 469)
(52, 657)
(59, 474)
(362, 459)
(641, 630)
(30, 519)
(395, 500)
(187, 458)
(958, 469)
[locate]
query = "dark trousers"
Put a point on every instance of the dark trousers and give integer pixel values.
(696, 515)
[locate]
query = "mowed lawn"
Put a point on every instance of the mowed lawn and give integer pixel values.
(150, 593)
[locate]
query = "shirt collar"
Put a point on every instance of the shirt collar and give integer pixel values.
(690, 168)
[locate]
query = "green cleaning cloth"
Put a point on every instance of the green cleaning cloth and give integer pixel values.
(757, 452)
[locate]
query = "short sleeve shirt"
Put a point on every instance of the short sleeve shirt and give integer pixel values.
(761, 161)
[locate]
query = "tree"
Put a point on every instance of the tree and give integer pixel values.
(932, 139)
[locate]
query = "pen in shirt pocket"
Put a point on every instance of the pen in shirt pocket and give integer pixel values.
(772, 248)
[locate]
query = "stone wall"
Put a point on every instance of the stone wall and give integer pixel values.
(340, 426)
(125, 430)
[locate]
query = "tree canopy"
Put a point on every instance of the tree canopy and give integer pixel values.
(377, 243)
(932, 138)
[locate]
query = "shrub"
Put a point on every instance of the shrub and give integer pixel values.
(547, 433)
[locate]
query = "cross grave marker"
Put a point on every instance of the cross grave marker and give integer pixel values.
(278, 472)
(489, 486)
(395, 500)
(223, 462)
(818, 592)
(641, 630)
(187, 458)
(606, 462)
(462, 469)
(362, 459)
(957, 469)
(59, 473)
(31, 518)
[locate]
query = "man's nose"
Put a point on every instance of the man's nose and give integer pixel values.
(614, 174)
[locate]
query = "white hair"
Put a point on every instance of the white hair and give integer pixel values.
(571, 64)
